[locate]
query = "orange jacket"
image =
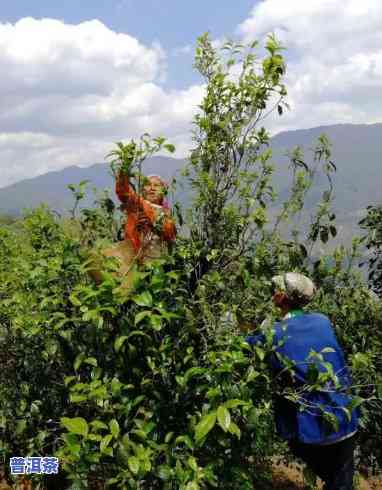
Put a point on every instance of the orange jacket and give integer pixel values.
(137, 207)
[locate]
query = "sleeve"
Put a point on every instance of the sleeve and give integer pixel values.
(128, 196)
(126, 193)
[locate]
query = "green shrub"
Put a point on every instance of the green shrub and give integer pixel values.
(157, 389)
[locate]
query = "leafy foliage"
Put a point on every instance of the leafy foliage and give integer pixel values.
(127, 158)
(156, 388)
(372, 224)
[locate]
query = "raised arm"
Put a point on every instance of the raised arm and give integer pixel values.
(126, 193)
(131, 199)
(148, 213)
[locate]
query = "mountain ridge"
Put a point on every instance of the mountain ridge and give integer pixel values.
(356, 150)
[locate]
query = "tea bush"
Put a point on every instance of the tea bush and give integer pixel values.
(156, 389)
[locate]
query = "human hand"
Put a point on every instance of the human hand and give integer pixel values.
(143, 221)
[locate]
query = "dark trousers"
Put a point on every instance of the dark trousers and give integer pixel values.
(333, 463)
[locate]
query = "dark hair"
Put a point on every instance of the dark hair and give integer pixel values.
(295, 303)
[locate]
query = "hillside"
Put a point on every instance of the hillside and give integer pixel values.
(356, 152)
(51, 188)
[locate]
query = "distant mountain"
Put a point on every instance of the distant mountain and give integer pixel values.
(51, 188)
(357, 152)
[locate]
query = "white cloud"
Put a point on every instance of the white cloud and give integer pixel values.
(67, 92)
(50, 57)
(334, 58)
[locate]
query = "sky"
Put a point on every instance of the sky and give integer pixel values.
(78, 76)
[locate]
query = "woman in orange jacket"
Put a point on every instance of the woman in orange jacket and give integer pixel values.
(149, 226)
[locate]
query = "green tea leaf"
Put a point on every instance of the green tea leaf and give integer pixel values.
(192, 463)
(114, 427)
(76, 425)
(133, 464)
(141, 315)
(234, 403)
(205, 425)
(234, 429)
(143, 299)
(187, 441)
(77, 398)
(164, 472)
(119, 341)
(224, 417)
(91, 360)
(105, 442)
(192, 485)
(21, 426)
(97, 424)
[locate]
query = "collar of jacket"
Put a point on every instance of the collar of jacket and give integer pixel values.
(293, 313)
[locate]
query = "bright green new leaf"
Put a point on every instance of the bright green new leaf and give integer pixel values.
(97, 424)
(133, 464)
(21, 426)
(143, 299)
(234, 429)
(77, 425)
(205, 425)
(91, 360)
(234, 403)
(224, 417)
(69, 379)
(105, 442)
(77, 398)
(164, 472)
(156, 322)
(140, 316)
(119, 341)
(192, 463)
(187, 441)
(260, 353)
(114, 427)
(192, 485)
(194, 371)
(78, 361)
(95, 437)
(168, 437)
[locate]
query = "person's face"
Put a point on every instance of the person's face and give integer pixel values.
(279, 299)
(154, 190)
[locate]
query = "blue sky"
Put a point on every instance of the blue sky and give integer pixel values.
(78, 75)
(172, 23)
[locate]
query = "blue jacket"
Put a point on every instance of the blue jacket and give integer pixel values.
(299, 335)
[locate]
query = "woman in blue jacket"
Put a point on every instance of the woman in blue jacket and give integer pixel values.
(327, 448)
